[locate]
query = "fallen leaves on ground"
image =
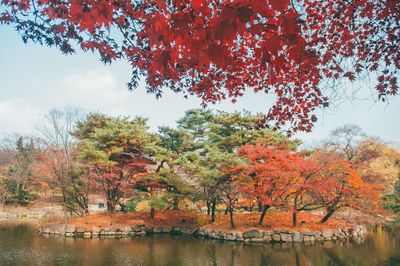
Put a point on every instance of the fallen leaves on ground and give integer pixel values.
(243, 221)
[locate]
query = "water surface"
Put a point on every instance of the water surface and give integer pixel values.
(20, 245)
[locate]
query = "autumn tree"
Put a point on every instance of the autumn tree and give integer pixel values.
(270, 173)
(211, 150)
(378, 163)
(58, 158)
(340, 185)
(374, 160)
(303, 184)
(345, 139)
(392, 201)
(230, 131)
(217, 50)
(117, 151)
(4, 193)
(19, 173)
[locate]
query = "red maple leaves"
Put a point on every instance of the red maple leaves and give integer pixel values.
(218, 49)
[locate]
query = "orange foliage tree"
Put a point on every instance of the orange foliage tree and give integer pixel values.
(278, 176)
(270, 172)
(340, 185)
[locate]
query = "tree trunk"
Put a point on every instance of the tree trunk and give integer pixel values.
(231, 217)
(112, 200)
(110, 206)
(328, 214)
(208, 207)
(294, 218)
(152, 214)
(226, 210)
(259, 205)
(64, 196)
(86, 210)
(213, 206)
(175, 203)
(264, 211)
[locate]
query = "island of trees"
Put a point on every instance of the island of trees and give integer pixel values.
(223, 169)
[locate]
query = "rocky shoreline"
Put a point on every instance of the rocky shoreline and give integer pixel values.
(247, 236)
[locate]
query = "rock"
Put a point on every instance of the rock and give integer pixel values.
(253, 234)
(107, 229)
(191, 231)
(201, 232)
(239, 234)
(327, 233)
(231, 238)
(268, 233)
(137, 228)
(140, 233)
(126, 230)
(306, 238)
(286, 237)
(96, 230)
(70, 229)
(276, 238)
(296, 236)
(167, 229)
(61, 228)
(308, 233)
(87, 234)
(80, 230)
(257, 240)
(157, 230)
(267, 238)
(176, 231)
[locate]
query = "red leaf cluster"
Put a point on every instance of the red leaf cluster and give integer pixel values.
(218, 49)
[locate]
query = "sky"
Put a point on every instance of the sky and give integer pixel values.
(35, 79)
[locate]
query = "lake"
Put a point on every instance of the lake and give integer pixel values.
(21, 245)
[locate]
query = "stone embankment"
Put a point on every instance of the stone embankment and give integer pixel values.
(248, 236)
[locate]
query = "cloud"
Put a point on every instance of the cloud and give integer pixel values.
(101, 88)
(95, 89)
(17, 115)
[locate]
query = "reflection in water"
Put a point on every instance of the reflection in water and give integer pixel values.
(22, 246)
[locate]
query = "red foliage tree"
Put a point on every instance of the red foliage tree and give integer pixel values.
(340, 185)
(218, 49)
(271, 173)
(303, 185)
(117, 151)
(279, 177)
